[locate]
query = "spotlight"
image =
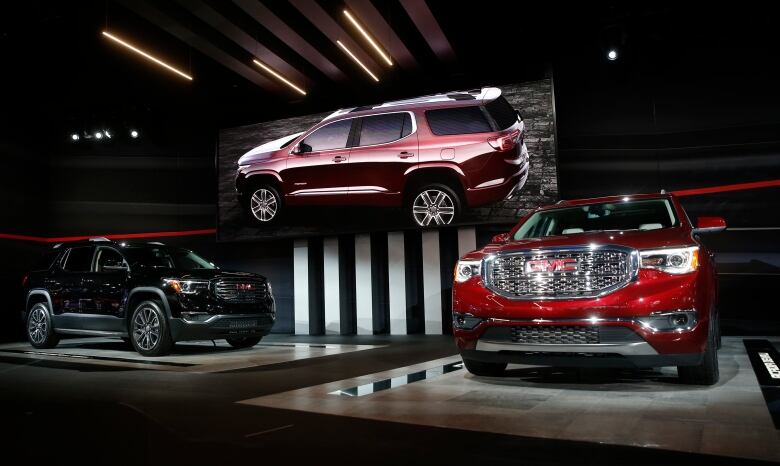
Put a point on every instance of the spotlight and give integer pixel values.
(133, 134)
(74, 137)
(107, 134)
(612, 55)
(98, 135)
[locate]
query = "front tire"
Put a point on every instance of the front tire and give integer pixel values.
(485, 369)
(264, 204)
(40, 332)
(706, 373)
(243, 342)
(434, 204)
(149, 332)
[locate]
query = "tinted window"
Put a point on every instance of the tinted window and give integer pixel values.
(502, 113)
(462, 120)
(380, 129)
(332, 136)
(629, 215)
(79, 259)
(106, 256)
(45, 261)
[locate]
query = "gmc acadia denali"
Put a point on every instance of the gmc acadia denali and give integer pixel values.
(148, 293)
(432, 155)
(609, 282)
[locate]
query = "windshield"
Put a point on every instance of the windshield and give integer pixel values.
(649, 214)
(166, 258)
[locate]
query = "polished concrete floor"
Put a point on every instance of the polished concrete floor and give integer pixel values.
(348, 400)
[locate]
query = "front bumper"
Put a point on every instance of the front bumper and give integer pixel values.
(215, 327)
(622, 339)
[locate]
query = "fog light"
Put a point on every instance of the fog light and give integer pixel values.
(679, 320)
(465, 321)
(667, 321)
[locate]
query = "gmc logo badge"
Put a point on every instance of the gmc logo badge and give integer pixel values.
(551, 265)
(244, 287)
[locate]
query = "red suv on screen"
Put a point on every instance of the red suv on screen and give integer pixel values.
(609, 282)
(432, 155)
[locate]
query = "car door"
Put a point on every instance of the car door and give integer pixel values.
(384, 148)
(70, 297)
(316, 170)
(106, 286)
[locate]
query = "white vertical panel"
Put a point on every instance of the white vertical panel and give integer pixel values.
(301, 286)
(330, 261)
(467, 240)
(364, 303)
(396, 275)
(431, 282)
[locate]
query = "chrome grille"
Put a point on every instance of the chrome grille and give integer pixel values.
(556, 335)
(570, 273)
(240, 290)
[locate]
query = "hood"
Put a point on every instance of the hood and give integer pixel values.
(203, 274)
(264, 151)
(650, 239)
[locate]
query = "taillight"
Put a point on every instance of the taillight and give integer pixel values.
(24, 280)
(505, 142)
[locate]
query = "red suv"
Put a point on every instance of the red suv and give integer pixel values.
(609, 282)
(433, 155)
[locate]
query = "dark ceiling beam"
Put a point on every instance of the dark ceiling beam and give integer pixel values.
(370, 18)
(173, 27)
(426, 23)
(285, 33)
(322, 20)
(247, 42)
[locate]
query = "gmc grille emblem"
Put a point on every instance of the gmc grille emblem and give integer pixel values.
(244, 287)
(551, 265)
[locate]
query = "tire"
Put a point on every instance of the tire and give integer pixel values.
(706, 373)
(149, 332)
(243, 342)
(263, 204)
(40, 332)
(433, 205)
(485, 369)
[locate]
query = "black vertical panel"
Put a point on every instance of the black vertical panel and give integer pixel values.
(448, 255)
(316, 288)
(347, 285)
(380, 284)
(415, 304)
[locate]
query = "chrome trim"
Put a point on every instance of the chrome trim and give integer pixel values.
(487, 184)
(339, 190)
(634, 262)
(634, 320)
(95, 333)
(217, 317)
(642, 348)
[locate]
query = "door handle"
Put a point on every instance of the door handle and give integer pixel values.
(339, 158)
(406, 155)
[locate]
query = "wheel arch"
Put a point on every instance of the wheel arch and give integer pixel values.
(35, 296)
(447, 174)
(257, 178)
(144, 293)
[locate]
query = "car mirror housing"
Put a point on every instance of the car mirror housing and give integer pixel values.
(709, 225)
(296, 150)
(501, 238)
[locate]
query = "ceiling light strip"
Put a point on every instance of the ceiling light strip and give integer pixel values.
(352, 55)
(278, 76)
(368, 37)
(146, 55)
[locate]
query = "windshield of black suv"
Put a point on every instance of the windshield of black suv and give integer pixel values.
(650, 214)
(165, 258)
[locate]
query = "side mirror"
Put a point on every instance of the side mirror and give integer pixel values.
(500, 238)
(296, 150)
(709, 225)
(301, 148)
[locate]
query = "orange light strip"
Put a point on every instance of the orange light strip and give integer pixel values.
(278, 76)
(368, 37)
(352, 55)
(146, 55)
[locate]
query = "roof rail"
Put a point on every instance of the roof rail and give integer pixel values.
(99, 239)
(156, 242)
(562, 201)
(56, 245)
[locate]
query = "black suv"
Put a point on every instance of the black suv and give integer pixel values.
(149, 294)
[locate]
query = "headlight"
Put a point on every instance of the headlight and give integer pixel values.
(466, 269)
(671, 260)
(186, 286)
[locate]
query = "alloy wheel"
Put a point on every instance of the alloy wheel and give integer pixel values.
(146, 329)
(37, 327)
(263, 205)
(433, 205)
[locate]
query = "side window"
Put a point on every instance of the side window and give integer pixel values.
(502, 112)
(332, 136)
(79, 259)
(107, 257)
(380, 129)
(461, 120)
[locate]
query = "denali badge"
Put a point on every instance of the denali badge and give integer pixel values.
(551, 265)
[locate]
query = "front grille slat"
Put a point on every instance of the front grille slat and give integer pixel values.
(240, 290)
(556, 335)
(579, 273)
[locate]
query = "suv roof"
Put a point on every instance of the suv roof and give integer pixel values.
(105, 241)
(444, 99)
(597, 200)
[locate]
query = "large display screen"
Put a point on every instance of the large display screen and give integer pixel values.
(466, 157)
